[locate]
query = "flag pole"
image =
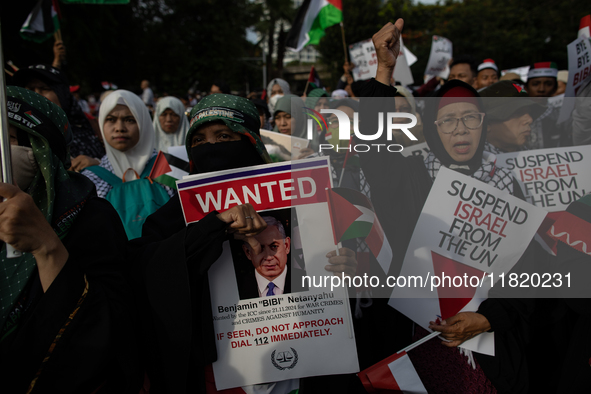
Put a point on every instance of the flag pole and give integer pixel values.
(419, 342)
(5, 160)
(5, 140)
(344, 43)
(310, 74)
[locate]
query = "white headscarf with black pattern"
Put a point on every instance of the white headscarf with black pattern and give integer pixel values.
(488, 172)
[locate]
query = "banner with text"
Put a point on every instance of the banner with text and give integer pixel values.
(579, 68)
(551, 178)
(363, 56)
(468, 235)
(441, 54)
(270, 186)
(264, 337)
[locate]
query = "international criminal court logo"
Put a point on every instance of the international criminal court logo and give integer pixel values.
(284, 359)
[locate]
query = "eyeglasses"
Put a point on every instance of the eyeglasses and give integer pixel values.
(471, 121)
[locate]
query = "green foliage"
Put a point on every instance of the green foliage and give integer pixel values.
(174, 43)
(513, 33)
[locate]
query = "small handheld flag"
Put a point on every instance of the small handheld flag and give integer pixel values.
(353, 216)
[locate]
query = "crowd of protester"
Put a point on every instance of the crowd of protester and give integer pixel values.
(111, 293)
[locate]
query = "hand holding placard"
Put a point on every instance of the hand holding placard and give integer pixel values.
(243, 220)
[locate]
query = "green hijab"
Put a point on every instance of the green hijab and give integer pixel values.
(59, 194)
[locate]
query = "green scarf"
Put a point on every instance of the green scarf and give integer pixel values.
(59, 194)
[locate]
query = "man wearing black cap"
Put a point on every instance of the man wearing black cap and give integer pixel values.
(510, 113)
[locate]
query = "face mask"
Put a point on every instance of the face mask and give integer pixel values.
(273, 102)
(24, 166)
(224, 156)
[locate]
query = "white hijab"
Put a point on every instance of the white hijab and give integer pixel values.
(164, 140)
(138, 156)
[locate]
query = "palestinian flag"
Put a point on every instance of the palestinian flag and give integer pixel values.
(108, 85)
(313, 78)
(353, 216)
(33, 118)
(395, 374)
(168, 169)
(584, 27)
(42, 22)
(313, 17)
(351, 158)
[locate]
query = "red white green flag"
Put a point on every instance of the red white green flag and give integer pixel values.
(353, 216)
(395, 374)
(42, 22)
(313, 17)
(168, 169)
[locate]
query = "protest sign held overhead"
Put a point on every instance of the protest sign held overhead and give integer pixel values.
(579, 68)
(468, 235)
(402, 71)
(441, 54)
(363, 56)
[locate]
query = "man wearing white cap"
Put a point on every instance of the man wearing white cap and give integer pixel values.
(488, 73)
(562, 80)
(541, 79)
(545, 133)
